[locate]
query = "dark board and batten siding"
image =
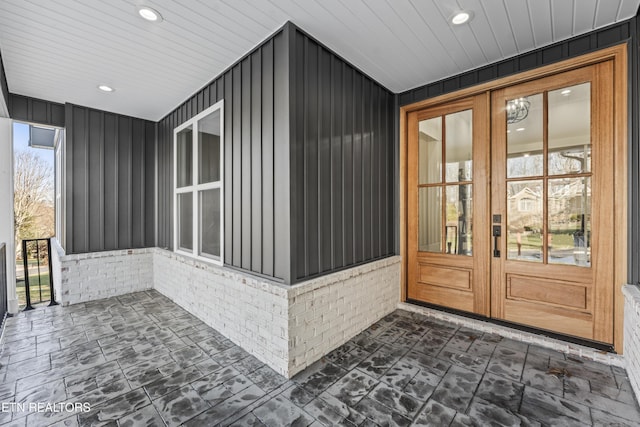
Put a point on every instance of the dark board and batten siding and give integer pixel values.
(4, 86)
(110, 181)
(35, 110)
(342, 150)
(256, 159)
(627, 31)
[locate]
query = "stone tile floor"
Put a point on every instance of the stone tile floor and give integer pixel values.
(140, 360)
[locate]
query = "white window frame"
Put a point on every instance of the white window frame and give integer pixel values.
(195, 188)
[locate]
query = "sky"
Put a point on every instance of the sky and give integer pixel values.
(21, 143)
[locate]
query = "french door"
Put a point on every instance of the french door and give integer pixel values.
(510, 203)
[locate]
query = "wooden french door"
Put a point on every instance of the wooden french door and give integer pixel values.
(510, 203)
(448, 182)
(553, 174)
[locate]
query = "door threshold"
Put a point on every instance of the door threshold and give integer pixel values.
(548, 339)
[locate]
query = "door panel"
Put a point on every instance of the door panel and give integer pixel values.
(538, 157)
(448, 209)
(552, 175)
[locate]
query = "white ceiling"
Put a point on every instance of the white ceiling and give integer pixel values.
(60, 50)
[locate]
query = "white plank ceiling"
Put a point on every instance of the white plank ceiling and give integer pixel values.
(61, 50)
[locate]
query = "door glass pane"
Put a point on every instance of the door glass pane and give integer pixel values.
(459, 215)
(184, 148)
(210, 223)
(185, 221)
(209, 148)
(524, 220)
(570, 130)
(430, 151)
(430, 219)
(524, 137)
(570, 221)
(458, 143)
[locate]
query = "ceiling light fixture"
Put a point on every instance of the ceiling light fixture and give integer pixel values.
(519, 129)
(565, 92)
(461, 17)
(149, 14)
(517, 110)
(106, 88)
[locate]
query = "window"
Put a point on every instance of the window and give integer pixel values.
(198, 197)
(526, 205)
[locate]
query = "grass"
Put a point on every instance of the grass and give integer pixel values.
(560, 241)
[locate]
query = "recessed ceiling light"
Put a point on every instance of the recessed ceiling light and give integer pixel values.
(106, 88)
(519, 129)
(149, 14)
(509, 131)
(461, 17)
(565, 92)
(526, 155)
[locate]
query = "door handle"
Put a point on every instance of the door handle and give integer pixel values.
(496, 232)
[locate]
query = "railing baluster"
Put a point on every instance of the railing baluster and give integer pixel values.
(25, 263)
(51, 293)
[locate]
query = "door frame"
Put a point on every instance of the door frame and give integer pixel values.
(617, 54)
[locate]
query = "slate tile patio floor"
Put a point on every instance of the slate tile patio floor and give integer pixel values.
(140, 360)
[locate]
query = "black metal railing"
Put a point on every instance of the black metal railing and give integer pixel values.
(3, 282)
(36, 260)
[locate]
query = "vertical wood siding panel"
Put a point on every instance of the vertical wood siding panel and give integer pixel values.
(79, 196)
(268, 248)
(348, 169)
(298, 113)
(375, 172)
(110, 182)
(226, 92)
(246, 155)
(95, 194)
(311, 122)
(282, 180)
(236, 95)
(150, 154)
(124, 181)
(367, 128)
(137, 183)
(256, 162)
(325, 170)
(337, 172)
(358, 216)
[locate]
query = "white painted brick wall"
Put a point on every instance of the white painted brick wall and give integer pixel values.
(97, 275)
(326, 312)
(249, 311)
(632, 335)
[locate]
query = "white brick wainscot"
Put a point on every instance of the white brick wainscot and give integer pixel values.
(632, 335)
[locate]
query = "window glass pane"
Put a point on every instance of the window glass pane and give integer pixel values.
(185, 221)
(570, 221)
(570, 130)
(524, 220)
(458, 228)
(459, 146)
(209, 148)
(210, 223)
(184, 157)
(524, 137)
(430, 151)
(430, 219)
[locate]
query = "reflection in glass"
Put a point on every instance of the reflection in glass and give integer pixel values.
(524, 220)
(185, 221)
(430, 151)
(430, 219)
(524, 138)
(570, 130)
(209, 148)
(184, 150)
(570, 221)
(459, 220)
(210, 223)
(459, 146)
